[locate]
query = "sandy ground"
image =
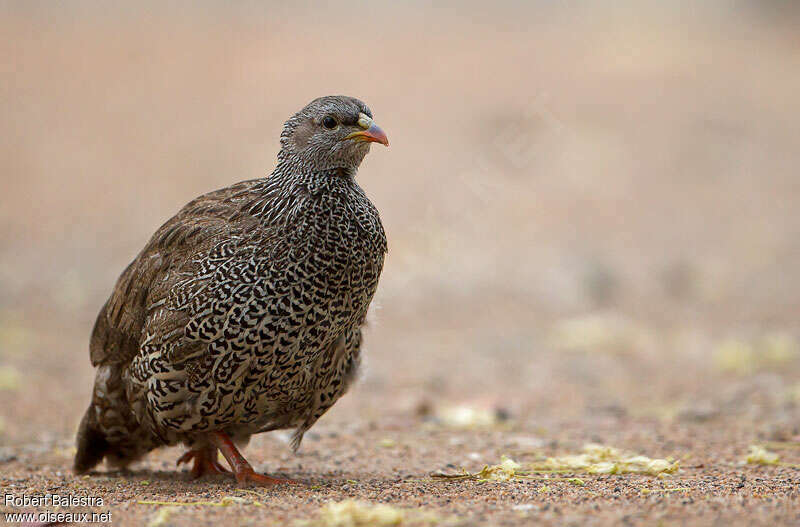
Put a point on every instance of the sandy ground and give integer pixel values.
(593, 227)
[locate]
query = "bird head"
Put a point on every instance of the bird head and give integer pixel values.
(330, 132)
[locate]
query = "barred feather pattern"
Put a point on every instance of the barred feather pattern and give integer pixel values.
(250, 302)
(243, 313)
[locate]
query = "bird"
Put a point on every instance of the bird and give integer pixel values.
(243, 313)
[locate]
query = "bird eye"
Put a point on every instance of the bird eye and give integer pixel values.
(329, 122)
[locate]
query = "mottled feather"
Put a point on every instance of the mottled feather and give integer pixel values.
(243, 312)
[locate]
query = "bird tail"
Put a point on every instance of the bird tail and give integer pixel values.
(92, 444)
(109, 429)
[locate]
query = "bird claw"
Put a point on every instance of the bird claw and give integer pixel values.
(250, 476)
(186, 457)
(204, 463)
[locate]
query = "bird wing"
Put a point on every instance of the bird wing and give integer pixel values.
(145, 284)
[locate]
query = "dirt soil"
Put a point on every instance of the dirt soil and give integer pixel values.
(593, 229)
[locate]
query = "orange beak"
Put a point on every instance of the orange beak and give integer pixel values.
(373, 134)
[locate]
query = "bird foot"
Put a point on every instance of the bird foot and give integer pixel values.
(205, 462)
(245, 477)
(241, 468)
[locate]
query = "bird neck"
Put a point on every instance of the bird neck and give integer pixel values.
(291, 169)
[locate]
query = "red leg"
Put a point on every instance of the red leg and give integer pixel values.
(241, 468)
(205, 462)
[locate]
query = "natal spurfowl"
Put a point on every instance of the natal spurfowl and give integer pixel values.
(243, 312)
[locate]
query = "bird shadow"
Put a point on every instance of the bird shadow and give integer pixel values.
(155, 479)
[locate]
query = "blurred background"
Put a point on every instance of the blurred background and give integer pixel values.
(592, 207)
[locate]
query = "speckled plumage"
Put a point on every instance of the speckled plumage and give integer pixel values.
(243, 313)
